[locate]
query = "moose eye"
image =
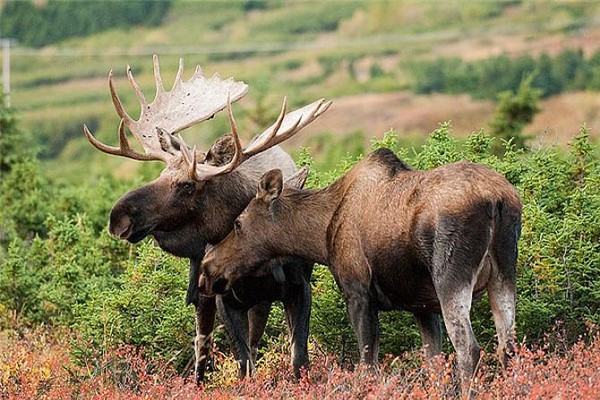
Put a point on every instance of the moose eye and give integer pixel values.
(237, 225)
(187, 186)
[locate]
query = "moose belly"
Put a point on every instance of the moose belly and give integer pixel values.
(405, 285)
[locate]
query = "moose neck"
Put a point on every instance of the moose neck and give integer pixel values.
(307, 215)
(225, 198)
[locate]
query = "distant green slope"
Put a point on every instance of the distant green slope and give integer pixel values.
(39, 24)
(304, 50)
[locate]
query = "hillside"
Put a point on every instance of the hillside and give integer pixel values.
(361, 54)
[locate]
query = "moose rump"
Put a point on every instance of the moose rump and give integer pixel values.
(394, 238)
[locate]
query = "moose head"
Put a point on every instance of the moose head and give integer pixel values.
(197, 195)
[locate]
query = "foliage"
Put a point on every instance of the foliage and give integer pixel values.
(59, 267)
(145, 308)
(43, 280)
(38, 25)
(14, 143)
(569, 70)
(514, 112)
(37, 365)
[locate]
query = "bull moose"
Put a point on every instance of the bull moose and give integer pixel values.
(429, 242)
(196, 198)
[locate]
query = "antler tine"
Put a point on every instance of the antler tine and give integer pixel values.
(136, 88)
(124, 148)
(307, 114)
(179, 76)
(191, 160)
(234, 132)
(157, 77)
(115, 97)
(278, 123)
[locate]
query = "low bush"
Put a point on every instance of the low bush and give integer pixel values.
(59, 267)
(37, 365)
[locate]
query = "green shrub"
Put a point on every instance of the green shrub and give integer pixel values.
(145, 307)
(58, 265)
(43, 279)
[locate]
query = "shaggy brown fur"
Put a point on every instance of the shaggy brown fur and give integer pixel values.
(185, 216)
(394, 238)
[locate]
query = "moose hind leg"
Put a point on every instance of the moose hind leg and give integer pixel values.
(501, 293)
(205, 321)
(235, 320)
(460, 245)
(502, 285)
(456, 306)
(297, 307)
(431, 332)
(257, 320)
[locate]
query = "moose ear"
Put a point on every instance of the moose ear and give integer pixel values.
(297, 180)
(270, 185)
(221, 152)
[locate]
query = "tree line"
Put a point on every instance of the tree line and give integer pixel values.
(39, 25)
(484, 79)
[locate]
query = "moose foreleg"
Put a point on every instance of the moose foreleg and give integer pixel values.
(297, 308)
(205, 321)
(257, 322)
(431, 332)
(235, 320)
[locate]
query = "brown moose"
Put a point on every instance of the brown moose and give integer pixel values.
(196, 198)
(429, 242)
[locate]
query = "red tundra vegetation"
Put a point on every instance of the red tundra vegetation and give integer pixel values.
(37, 364)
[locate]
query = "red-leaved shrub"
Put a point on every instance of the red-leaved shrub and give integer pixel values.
(37, 365)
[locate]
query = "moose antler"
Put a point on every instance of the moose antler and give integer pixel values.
(187, 103)
(285, 127)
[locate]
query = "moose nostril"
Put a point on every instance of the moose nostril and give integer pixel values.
(120, 227)
(220, 285)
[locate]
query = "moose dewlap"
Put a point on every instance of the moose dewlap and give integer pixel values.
(394, 238)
